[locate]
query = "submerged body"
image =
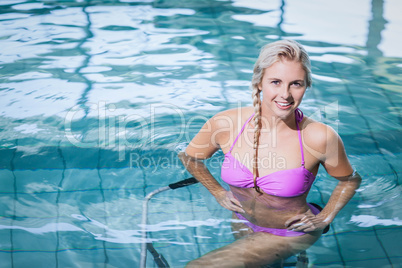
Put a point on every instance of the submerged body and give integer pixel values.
(264, 216)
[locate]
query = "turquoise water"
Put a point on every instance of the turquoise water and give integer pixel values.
(97, 98)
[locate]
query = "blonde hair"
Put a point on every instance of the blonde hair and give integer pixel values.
(270, 54)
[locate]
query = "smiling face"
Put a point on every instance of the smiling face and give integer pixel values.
(283, 86)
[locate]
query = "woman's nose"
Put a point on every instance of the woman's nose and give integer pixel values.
(285, 93)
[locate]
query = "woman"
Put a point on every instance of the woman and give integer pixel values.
(272, 155)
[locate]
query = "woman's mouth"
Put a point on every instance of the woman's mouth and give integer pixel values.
(283, 105)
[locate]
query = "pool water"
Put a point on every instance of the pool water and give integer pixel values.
(98, 97)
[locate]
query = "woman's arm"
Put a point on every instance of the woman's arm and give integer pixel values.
(341, 195)
(336, 163)
(198, 169)
(208, 140)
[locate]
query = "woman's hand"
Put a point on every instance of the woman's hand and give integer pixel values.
(306, 222)
(227, 200)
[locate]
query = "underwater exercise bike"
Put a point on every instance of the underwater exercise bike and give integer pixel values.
(299, 261)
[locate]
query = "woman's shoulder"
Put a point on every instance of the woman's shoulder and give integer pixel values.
(312, 126)
(318, 135)
(231, 117)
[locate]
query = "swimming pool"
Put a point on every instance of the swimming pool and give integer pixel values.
(97, 98)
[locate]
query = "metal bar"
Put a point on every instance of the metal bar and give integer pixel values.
(159, 258)
(144, 224)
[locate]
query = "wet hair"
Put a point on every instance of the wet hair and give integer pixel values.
(270, 54)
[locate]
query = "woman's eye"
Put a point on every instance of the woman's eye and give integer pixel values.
(297, 84)
(275, 82)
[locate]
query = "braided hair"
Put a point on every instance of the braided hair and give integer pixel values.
(270, 54)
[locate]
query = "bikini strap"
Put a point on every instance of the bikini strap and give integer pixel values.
(299, 118)
(241, 131)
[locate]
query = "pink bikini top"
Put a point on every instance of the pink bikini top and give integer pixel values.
(284, 183)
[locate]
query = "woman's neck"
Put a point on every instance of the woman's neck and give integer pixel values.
(272, 122)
